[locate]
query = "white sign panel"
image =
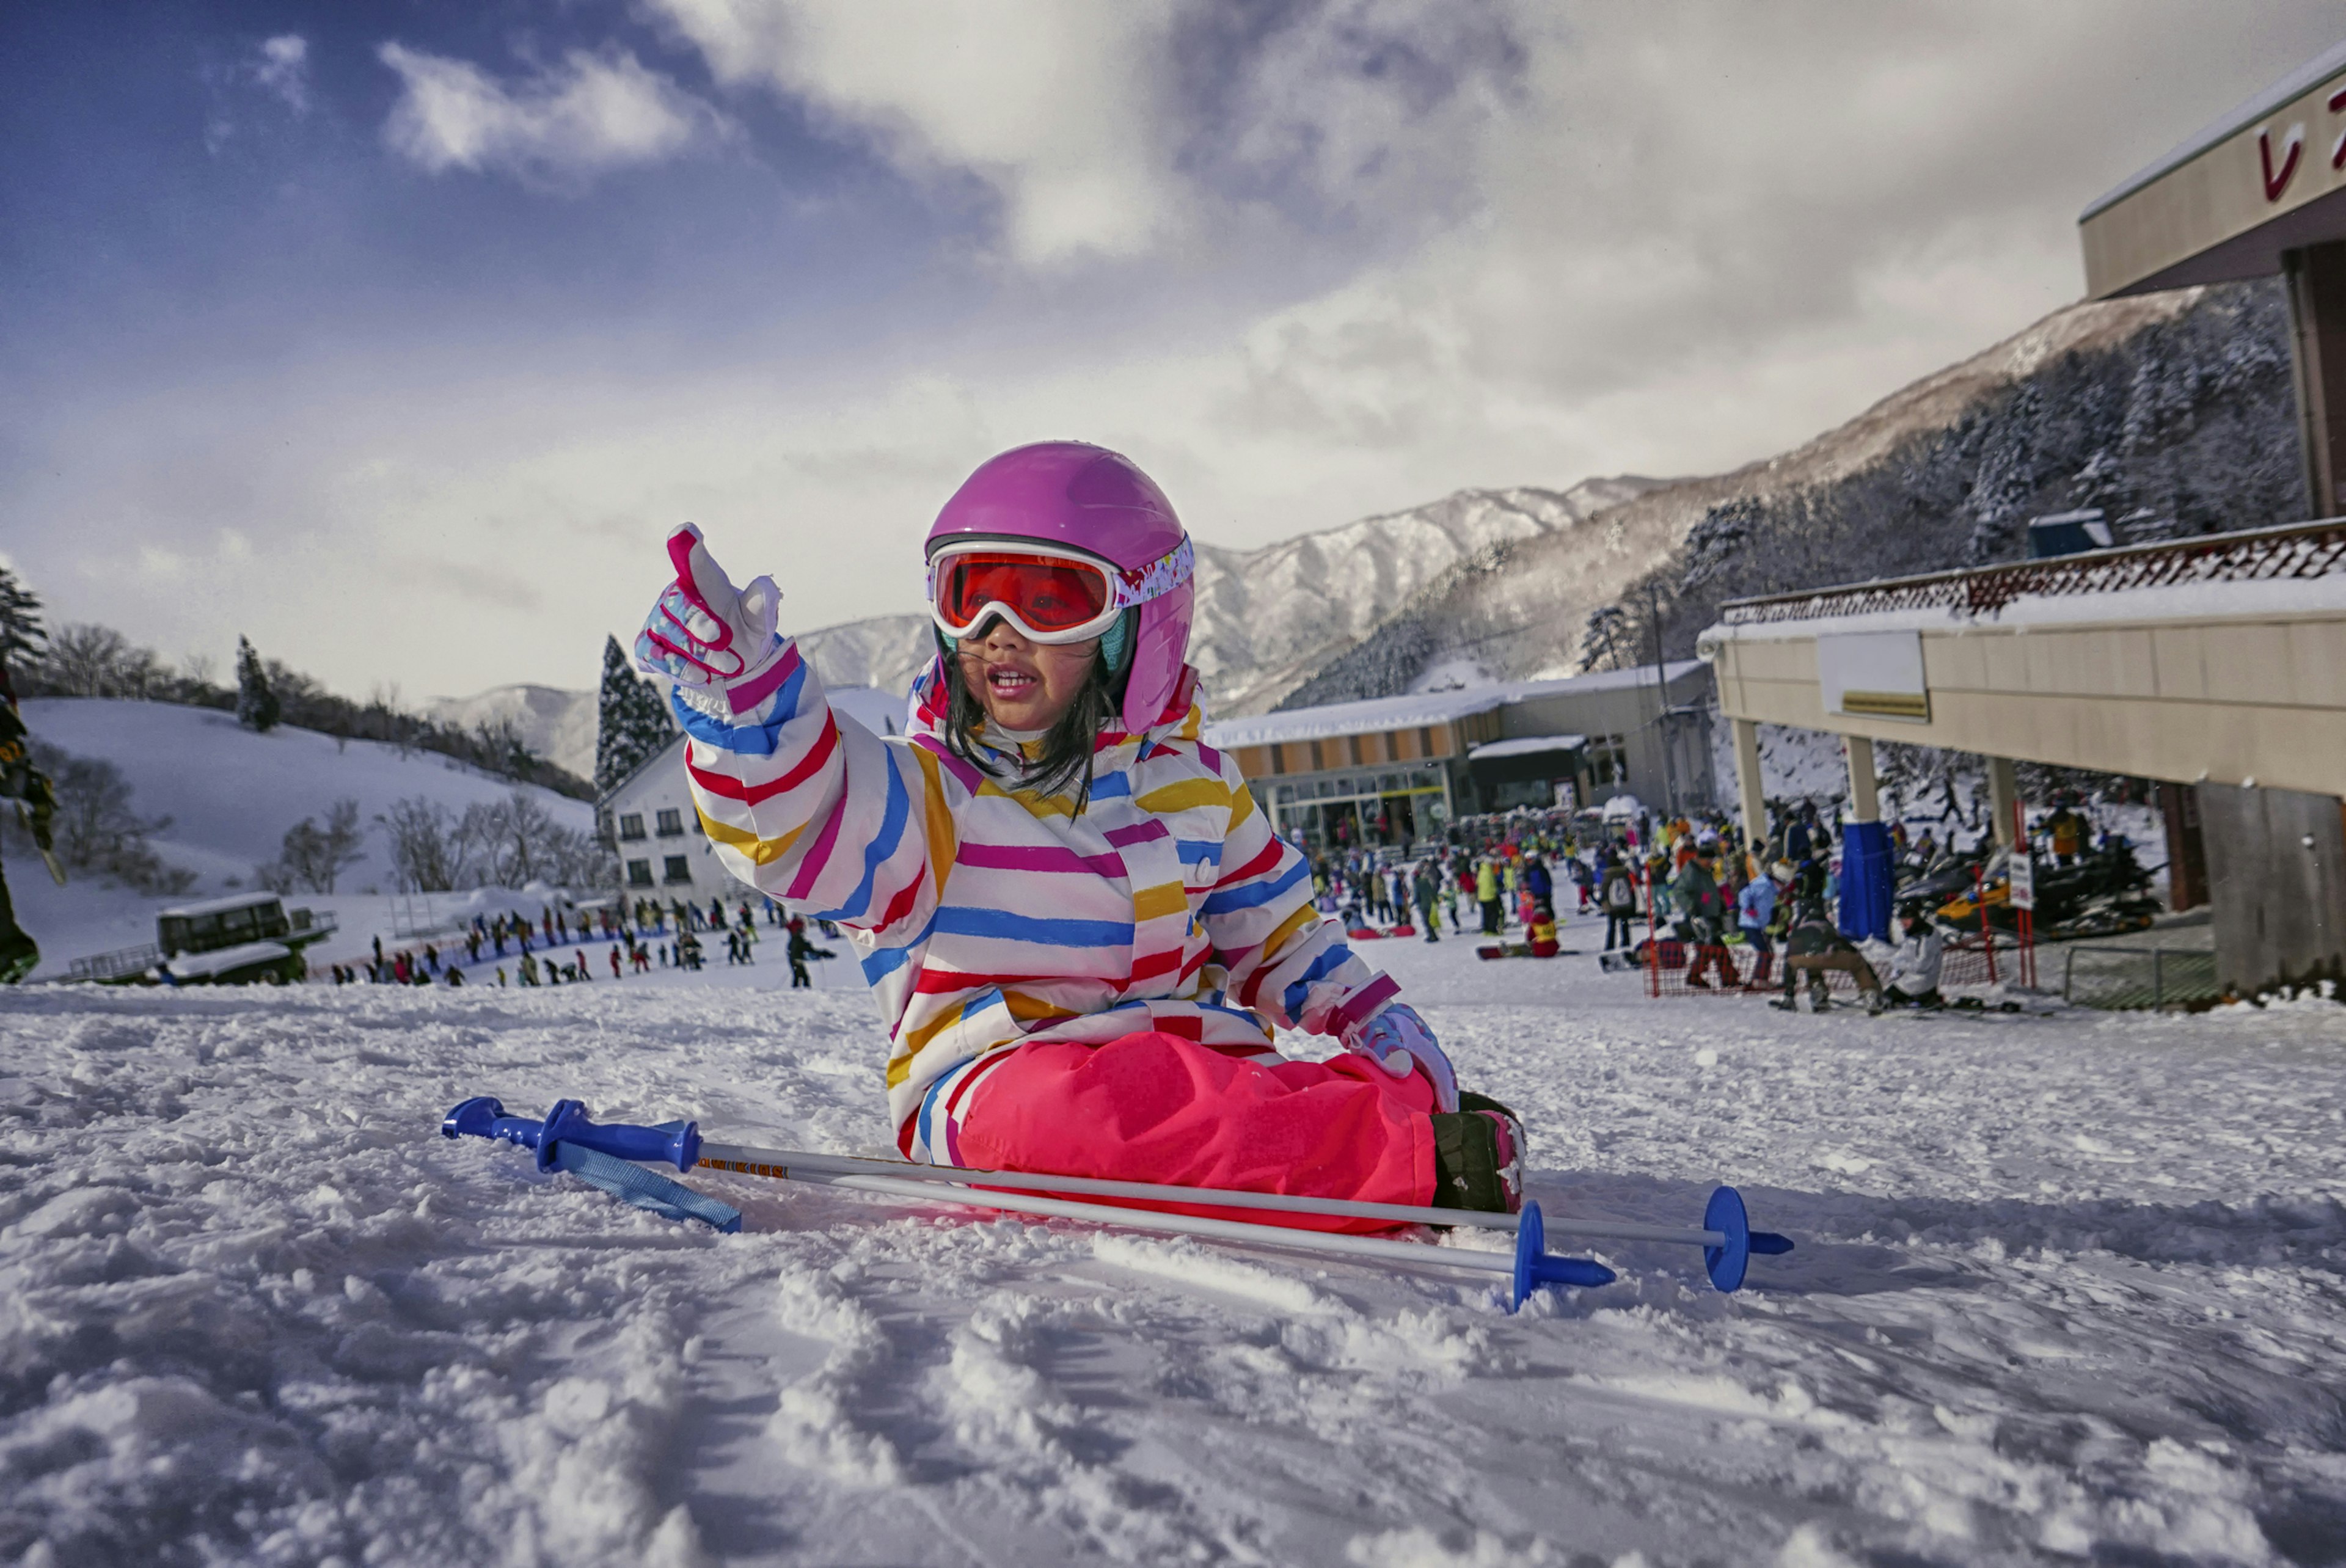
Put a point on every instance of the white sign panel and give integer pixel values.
(1874, 674)
(2023, 879)
(1567, 796)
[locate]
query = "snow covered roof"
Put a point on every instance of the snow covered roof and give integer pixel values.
(2252, 600)
(1409, 712)
(1525, 746)
(1423, 708)
(218, 906)
(1601, 680)
(220, 961)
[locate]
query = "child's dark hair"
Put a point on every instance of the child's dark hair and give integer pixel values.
(1066, 760)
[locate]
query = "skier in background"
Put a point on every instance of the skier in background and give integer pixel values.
(1617, 896)
(27, 790)
(2068, 831)
(1081, 928)
(1755, 910)
(1426, 886)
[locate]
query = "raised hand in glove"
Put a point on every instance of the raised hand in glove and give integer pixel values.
(1398, 1041)
(715, 641)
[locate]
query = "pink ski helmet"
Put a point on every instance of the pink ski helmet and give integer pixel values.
(1070, 497)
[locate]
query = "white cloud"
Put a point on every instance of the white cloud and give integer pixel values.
(1577, 241)
(1057, 104)
(591, 113)
(284, 69)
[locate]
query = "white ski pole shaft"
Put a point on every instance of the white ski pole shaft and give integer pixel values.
(1383, 1251)
(790, 1163)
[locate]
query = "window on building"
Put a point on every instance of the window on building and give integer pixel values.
(671, 823)
(1353, 749)
(679, 868)
(1319, 757)
(631, 826)
(1608, 761)
(1425, 742)
(639, 873)
(1278, 757)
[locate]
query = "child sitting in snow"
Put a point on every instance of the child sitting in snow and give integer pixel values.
(1078, 925)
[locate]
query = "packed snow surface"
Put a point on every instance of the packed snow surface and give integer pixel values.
(2068, 1287)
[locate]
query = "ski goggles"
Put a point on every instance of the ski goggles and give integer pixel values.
(1050, 595)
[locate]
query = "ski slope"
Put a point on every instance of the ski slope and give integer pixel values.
(230, 795)
(2068, 1289)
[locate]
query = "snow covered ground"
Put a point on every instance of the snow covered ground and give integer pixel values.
(2068, 1287)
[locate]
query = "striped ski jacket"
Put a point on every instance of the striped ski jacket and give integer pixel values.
(986, 915)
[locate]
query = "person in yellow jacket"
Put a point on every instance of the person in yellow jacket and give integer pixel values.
(1487, 892)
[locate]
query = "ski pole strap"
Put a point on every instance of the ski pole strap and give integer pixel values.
(646, 1189)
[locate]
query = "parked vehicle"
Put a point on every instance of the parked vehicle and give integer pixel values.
(238, 941)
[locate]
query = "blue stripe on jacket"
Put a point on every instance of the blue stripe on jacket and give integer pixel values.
(883, 844)
(963, 920)
(1254, 893)
(1326, 964)
(743, 740)
(881, 963)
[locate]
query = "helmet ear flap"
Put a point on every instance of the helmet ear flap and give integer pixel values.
(1116, 642)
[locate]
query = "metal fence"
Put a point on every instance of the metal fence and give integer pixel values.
(112, 965)
(2137, 977)
(2258, 554)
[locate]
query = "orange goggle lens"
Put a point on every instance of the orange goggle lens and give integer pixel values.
(1048, 594)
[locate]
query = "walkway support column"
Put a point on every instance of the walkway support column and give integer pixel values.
(1865, 794)
(1867, 880)
(2003, 795)
(1747, 782)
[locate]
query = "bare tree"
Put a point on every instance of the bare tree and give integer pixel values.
(95, 828)
(424, 854)
(83, 658)
(313, 857)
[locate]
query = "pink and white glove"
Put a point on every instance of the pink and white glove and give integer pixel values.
(1398, 1041)
(715, 641)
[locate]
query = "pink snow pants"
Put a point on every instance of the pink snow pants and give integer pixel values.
(1156, 1107)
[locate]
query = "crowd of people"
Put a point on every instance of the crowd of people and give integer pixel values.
(643, 933)
(1718, 909)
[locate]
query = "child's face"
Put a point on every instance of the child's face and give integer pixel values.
(1024, 685)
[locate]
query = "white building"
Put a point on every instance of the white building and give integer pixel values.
(649, 819)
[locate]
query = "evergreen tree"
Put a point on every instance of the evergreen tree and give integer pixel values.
(257, 708)
(631, 721)
(22, 636)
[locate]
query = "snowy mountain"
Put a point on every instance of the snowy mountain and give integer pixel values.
(1896, 479)
(556, 724)
(230, 795)
(1267, 616)
(886, 652)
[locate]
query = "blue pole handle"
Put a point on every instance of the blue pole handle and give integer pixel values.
(484, 1117)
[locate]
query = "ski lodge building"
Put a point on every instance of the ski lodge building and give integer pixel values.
(1396, 771)
(2216, 665)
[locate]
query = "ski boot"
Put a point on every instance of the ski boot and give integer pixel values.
(19, 955)
(1478, 1156)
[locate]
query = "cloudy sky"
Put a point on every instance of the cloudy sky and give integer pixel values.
(396, 334)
